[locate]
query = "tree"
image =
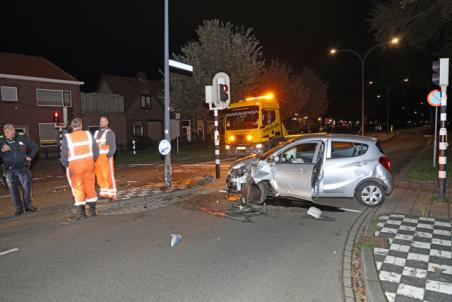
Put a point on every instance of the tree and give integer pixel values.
(280, 79)
(220, 47)
(317, 102)
(425, 25)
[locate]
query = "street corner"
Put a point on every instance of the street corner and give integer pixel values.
(218, 203)
(416, 262)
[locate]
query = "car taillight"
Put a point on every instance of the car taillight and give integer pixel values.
(384, 161)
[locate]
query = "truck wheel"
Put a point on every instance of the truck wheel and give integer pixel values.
(370, 193)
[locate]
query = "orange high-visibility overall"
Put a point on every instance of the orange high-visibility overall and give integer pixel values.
(80, 172)
(105, 173)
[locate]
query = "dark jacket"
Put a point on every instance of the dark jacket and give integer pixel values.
(21, 147)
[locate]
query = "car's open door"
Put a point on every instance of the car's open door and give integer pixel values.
(293, 171)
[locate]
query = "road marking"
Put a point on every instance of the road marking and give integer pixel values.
(9, 251)
(4, 196)
(350, 210)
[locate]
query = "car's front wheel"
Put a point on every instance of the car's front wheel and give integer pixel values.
(255, 193)
(370, 193)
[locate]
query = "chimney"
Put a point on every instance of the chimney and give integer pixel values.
(141, 75)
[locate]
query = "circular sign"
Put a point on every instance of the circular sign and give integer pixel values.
(434, 98)
(164, 147)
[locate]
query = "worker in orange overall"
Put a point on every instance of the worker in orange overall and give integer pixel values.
(106, 141)
(79, 151)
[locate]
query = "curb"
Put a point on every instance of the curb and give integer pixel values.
(374, 292)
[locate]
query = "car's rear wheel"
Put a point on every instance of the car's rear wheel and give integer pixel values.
(370, 193)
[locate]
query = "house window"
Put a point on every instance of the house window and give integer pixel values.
(53, 98)
(9, 94)
(137, 128)
(145, 102)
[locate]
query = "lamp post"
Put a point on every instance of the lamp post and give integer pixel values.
(362, 59)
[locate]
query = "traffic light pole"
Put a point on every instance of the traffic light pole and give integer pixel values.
(217, 144)
(442, 145)
(166, 106)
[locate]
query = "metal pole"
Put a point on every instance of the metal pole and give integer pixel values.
(61, 136)
(217, 144)
(435, 137)
(387, 110)
(166, 106)
(442, 159)
(362, 97)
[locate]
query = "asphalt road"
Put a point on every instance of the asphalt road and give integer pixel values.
(282, 256)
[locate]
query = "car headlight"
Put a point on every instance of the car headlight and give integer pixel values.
(259, 146)
(228, 147)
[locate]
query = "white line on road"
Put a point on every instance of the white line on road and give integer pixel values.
(9, 251)
(351, 210)
(4, 196)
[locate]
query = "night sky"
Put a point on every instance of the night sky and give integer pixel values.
(88, 38)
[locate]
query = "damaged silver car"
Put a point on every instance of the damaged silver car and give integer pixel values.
(323, 165)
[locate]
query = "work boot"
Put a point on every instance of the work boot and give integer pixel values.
(92, 208)
(82, 213)
(19, 211)
(30, 209)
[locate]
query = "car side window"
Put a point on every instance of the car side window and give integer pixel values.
(299, 154)
(268, 117)
(340, 149)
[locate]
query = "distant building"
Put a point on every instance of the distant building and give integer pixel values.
(31, 89)
(142, 105)
(94, 105)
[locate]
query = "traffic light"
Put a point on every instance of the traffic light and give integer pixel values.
(56, 117)
(441, 72)
(436, 70)
(224, 93)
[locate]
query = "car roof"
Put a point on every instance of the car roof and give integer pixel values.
(345, 137)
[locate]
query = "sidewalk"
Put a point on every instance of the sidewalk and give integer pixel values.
(415, 263)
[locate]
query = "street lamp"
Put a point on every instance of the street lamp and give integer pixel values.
(362, 59)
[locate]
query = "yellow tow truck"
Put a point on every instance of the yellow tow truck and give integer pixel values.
(253, 125)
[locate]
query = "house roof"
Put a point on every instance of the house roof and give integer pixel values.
(131, 88)
(24, 67)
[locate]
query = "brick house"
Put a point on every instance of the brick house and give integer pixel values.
(142, 105)
(31, 89)
(96, 105)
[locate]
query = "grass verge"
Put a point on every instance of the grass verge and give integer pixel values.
(423, 170)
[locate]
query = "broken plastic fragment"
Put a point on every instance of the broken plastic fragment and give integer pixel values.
(314, 212)
(175, 239)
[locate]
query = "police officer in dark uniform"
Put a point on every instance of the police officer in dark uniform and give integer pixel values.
(16, 153)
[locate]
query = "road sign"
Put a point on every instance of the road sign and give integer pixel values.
(180, 65)
(434, 98)
(164, 147)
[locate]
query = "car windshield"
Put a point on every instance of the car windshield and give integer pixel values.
(243, 118)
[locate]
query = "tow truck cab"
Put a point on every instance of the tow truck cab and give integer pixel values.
(253, 125)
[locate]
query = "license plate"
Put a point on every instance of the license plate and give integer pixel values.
(241, 148)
